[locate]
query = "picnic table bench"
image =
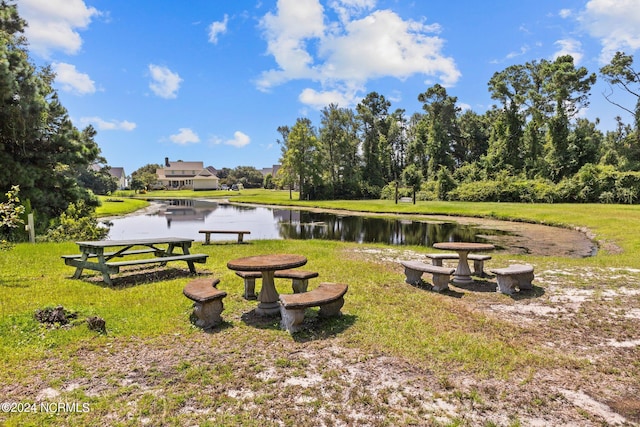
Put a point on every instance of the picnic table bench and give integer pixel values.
(515, 275)
(208, 233)
(413, 271)
(328, 296)
(93, 256)
(207, 301)
(299, 280)
(478, 261)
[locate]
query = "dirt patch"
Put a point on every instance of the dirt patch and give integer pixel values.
(537, 239)
(267, 378)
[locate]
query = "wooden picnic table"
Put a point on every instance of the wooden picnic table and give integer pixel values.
(92, 254)
(267, 264)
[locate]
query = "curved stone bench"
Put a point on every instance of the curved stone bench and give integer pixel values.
(299, 278)
(413, 271)
(328, 296)
(207, 301)
(514, 276)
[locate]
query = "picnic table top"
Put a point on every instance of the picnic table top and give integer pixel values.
(464, 246)
(267, 262)
(133, 242)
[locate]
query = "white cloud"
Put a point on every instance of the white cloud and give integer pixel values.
(239, 139)
(319, 100)
(346, 8)
(164, 82)
(523, 50)
(185, 136)
(72, 80)
(565, 13)
(217, 28)
(102, 124)
(569, 47)
(615, 22)
(287, 33)
(54, 24)
(344, 55)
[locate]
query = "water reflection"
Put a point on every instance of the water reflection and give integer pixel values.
(361, 229)
(185, 217)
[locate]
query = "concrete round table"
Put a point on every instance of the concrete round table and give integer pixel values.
(267, 264)
(462, 275)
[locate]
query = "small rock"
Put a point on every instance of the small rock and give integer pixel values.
(97, 324)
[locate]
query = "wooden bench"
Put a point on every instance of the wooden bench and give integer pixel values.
(328, 296)
(114, 267)
(207, 301)
(208, 233)
(413, 271)
(249, 278)
(515, 275)
(111, 254)
(299, 278)
(478, 261)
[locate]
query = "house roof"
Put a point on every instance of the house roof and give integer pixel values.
(181, 169)
(180, 165)
(117, 172)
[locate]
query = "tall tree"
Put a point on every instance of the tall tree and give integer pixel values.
(510, 87)
(373, 111)
(398, 140)
(40, 149)
(302, 157)
(567, 88)
(620, 73)
(474, 138)
(442, 124)
(339, 142)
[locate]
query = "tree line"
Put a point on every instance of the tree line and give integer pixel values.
(531, 145)
(46, 162)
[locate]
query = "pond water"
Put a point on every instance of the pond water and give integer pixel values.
(184, 218)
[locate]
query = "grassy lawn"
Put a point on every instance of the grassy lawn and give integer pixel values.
(565, 353)
(113, 206)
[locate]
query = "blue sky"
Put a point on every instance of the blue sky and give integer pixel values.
(212, 80)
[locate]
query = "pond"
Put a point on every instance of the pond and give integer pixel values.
(185, 217)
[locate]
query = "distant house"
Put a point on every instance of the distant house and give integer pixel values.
(190, 175)
(118, 174)
(273, 170)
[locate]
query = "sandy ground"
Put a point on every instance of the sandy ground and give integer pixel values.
(589, 314)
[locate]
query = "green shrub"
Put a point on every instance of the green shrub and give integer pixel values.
(76, 223)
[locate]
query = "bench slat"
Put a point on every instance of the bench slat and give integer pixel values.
(108, 254)
(200, 258)
(223, 232)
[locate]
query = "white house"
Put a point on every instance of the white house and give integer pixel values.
(190, 175)
(120, 176)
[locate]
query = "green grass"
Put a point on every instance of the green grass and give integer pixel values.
(113, 206)
(375, 300)
(382, 315)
